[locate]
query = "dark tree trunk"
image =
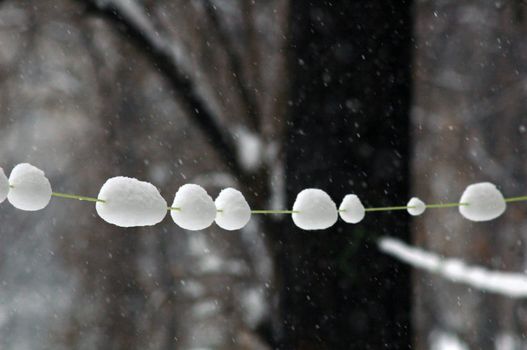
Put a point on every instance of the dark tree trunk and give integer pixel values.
(348, 134)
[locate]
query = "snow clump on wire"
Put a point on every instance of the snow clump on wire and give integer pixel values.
(314, 210)
(416, 206)
(351, 209)
(30, 188)
(484, 202)
(128, 202)
(233, 210)
(193, 209)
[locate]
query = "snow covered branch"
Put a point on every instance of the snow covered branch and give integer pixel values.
(513, 285)
(235, 65)
(130, 19)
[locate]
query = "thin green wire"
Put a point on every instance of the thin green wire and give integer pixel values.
(74, 196)
(516, 199)
(389, 208)
(428, 206)
(446, 205)
(266, 212)
(274, 212)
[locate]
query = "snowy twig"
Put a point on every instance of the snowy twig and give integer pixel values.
(235, 65)
(513, 285)
(165, 56)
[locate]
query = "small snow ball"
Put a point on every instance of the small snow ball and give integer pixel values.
(233, 210)
(314, 210)
(196, 208)
(351, 209)
(129, 202)
(4, 186)
(30, 190)
(485, 202)
(416, 206)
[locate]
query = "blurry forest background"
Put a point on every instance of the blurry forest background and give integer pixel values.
(382, 99)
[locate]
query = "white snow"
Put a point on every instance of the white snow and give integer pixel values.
(513, 285)
(316, 210)
(30, 190)
(440, 340)
(417, 206)
(485, 202)
(507, 341)
(254, 306)
(233, 210)
(197, 209)
(4, 186)
(206, 308)
(351, 209)
(130, 202)
(249, 148)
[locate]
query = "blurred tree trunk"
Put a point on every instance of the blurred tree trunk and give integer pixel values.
(182, 91)
(86, 97)
(348, 134)
(469, 123)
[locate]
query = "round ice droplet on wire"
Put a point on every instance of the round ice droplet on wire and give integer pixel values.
(416, 206)
(351, 209)
(233, 210)
(129, 202)
(30, 190)
(196, 209)
(314, 210)
(4, 186)
(484, 202)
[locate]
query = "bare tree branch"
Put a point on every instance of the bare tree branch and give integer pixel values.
(137, 28)
(235, 65)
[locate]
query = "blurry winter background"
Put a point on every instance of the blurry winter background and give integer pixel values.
(378, 98)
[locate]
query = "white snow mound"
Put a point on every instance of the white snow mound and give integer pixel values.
(31, 189)
(316, 210)
(351, 209)
(197, 209)
(233, 210)
(485, 202)
(418, 206)
(130, 202)
(4, 186)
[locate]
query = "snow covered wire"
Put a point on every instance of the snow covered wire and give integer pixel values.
(128, 202)
(512, 285)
